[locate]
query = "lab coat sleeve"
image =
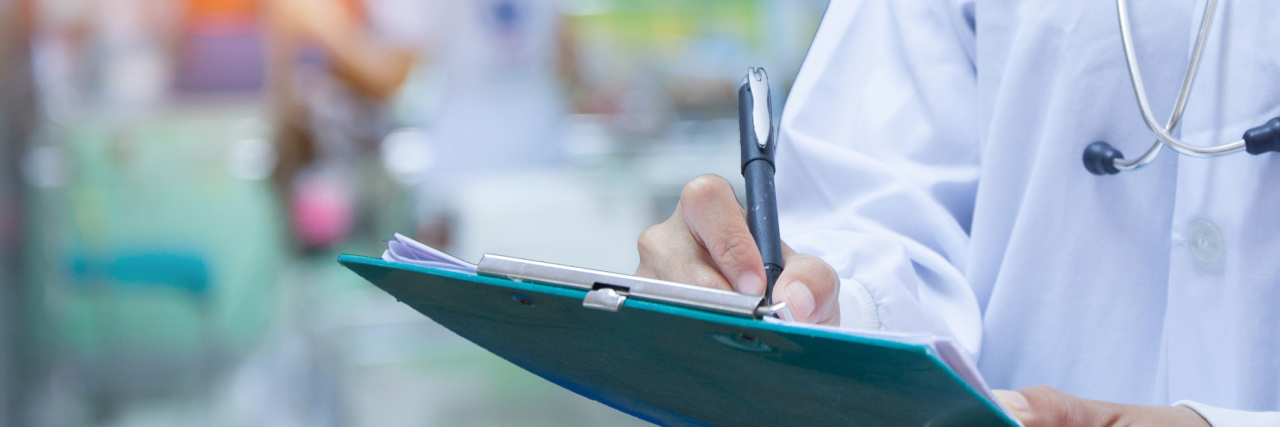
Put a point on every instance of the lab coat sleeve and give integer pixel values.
(878, 161)
(1219, 417)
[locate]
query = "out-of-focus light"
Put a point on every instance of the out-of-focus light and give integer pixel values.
(323, 209)
(407, 155)
(586, 138)
(251, 159)
(45, 166)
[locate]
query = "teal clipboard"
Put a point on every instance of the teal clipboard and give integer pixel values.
(673, 365)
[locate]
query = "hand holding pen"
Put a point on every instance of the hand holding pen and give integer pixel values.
(707, 242)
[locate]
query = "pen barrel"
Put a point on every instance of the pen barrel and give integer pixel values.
(757, 171)
(771, 272)
(762, 205)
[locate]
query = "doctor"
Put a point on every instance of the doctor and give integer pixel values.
(930, 179)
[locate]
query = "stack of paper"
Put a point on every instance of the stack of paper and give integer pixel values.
(409, 251)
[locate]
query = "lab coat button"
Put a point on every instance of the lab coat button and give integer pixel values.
(1204, 239)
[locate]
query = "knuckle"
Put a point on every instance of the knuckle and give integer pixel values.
(733, 248)
(703, 187)
(647, 243)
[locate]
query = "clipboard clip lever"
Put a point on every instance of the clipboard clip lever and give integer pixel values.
(605, 298)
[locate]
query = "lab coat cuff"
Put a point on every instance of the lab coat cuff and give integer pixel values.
(857, 307)
(1219, 417)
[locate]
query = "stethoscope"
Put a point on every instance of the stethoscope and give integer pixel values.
(1100, 158)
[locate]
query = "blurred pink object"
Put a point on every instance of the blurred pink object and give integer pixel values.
(322, 212)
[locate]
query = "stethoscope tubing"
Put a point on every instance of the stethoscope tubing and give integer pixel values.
(1140, 92)
(1188, 79)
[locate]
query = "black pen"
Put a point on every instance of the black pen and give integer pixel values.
(755, 128)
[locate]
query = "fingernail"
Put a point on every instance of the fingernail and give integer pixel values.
(751, 284)
(1014, 400)
(800, 298)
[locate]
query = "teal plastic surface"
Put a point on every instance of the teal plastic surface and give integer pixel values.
(676, 366)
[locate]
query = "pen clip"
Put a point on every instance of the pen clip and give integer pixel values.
(761, 111)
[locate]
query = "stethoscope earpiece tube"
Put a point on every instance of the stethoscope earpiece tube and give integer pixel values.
(1100, 158)
(1263, 139)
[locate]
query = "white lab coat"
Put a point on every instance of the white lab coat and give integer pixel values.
(931, 150)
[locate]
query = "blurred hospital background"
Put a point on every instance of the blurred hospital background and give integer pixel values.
(177, 178)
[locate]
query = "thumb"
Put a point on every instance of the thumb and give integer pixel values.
(811, 287)
(1045, 406)
(1015, 403)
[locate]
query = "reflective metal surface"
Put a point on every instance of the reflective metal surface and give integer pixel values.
(604, 299)
(635, 287)
(1140, 92)
(1188, 80)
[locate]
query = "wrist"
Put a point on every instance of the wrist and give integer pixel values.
(1172, 416)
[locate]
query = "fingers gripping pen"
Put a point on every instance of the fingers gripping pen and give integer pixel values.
(758, 140)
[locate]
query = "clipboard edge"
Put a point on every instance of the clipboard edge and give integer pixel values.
(653, 306)
(347, 260)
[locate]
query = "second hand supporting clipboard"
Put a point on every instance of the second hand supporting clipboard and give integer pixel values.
(608, 291)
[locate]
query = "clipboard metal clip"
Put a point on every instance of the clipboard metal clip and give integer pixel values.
(609, 291)
(605, 299)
